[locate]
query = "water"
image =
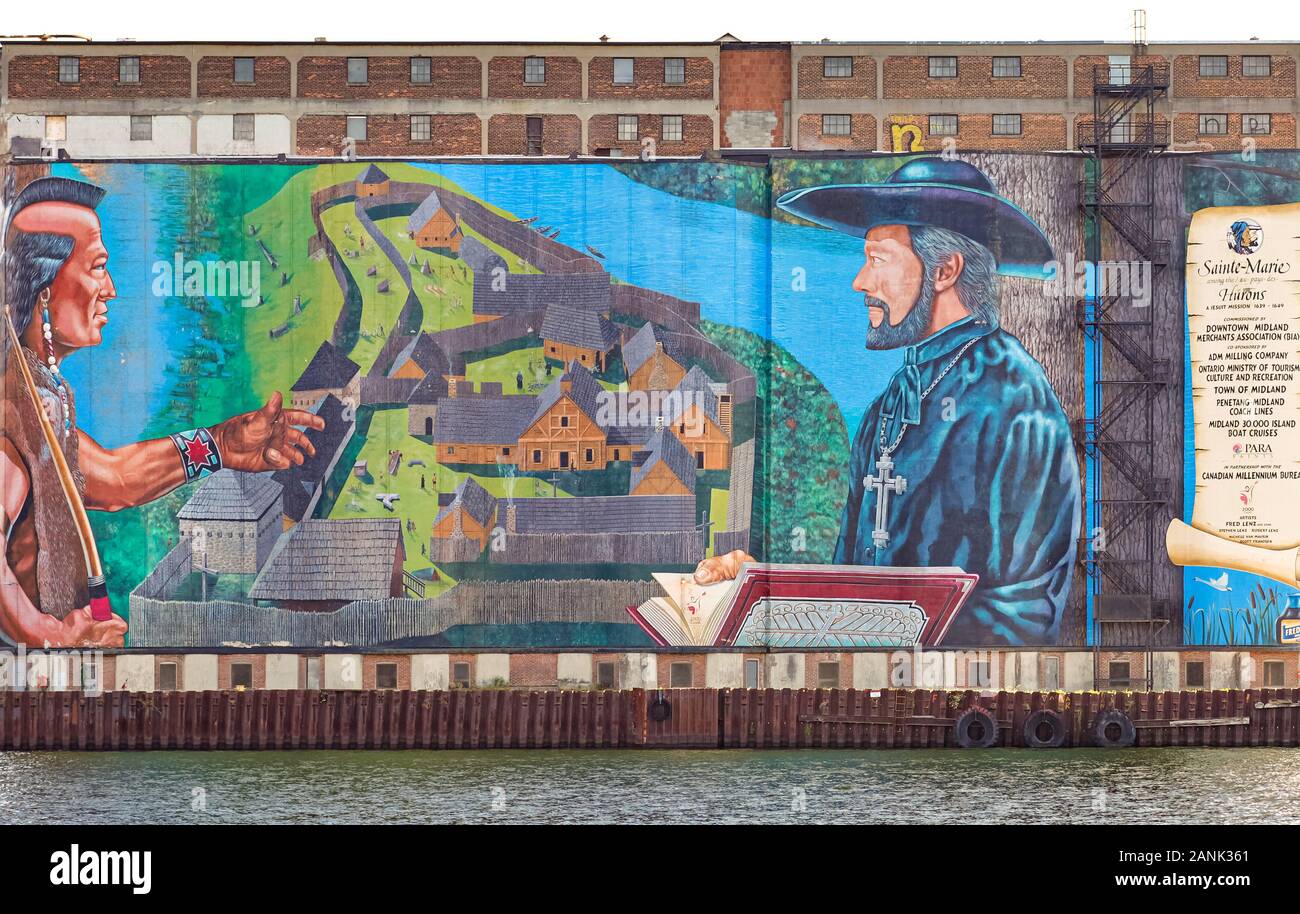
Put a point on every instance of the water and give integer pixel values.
(1140, 786)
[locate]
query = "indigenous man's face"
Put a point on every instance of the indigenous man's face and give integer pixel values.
(80, 293)
(894, 285)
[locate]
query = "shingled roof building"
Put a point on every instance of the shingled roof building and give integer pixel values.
(651, 362)
(433, 227)
(481, 429)
(232, 521)
(667, 468)
(303, 484)
(523, 292)
(471, 513)
(322, 565)
(328, 372)
(570, 334)
(480, 258)
(692, 412)
(372, 182)
(564, 432)
(601, 514)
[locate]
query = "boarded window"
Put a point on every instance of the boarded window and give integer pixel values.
(460, 676)
(1118, 674)
(606, 675)
(385, 675)
(167, 677)
(244, 69)
(1051, 673)
(142, 127)
(356, 127)
(828, 674)
(1274, 673)
(681, 675)
(313, 672)
(244, 127)
(358, 71)
(623, 71)
(1194, 674)
(751, 674)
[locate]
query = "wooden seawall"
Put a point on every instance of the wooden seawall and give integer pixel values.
(668, 718)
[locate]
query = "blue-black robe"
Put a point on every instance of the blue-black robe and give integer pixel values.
(992, 483)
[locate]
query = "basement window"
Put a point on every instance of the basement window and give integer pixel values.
(1117, 676)
(828, 674)
(751, 674)
(1274, 673)
(141, 127)
(385, 675)
(1194, 674)
(167, 677)
(244, 127)
(241, 675)
(460, 675)
(606, 675)
(681, 675)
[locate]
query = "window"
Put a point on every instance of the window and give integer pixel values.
(534, 132)
(421, 70)
(142, 127)
(460, 675)
(1051, 673)
(357, 126)
(243, 70)
(241, 675)
(979, 674)
(1256, 65)
(590, 455)
(69, 69)
(616, 452)
(699, 460)
(1274, 673)
(534, 70)
(358, 71)
(90, 674)
(837, 67)
(564, 422)
(837, 124)
(128, 69)
(751, 674)
(56, 127)
(675, 71)
(1006, 66)
(564, 459)
(606, 675)
(313, 672)
(505, 452)
(1214, 65)
(1256, 124)
(537, 456)
(624, 68)
(1006, 125)
(828, 674)
(628, 129)
(681, 675)
(1118, 674)
(421, 127)
(943, 67)
(167, 677)
(1212, 124)
(672, 127)
(385, 675)
(244, 127)
(943, 125)
(1194, 674)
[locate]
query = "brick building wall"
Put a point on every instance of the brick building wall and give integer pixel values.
(664, 666)
(975, 131)
(812, 669)
(37, 76)
(538, 670)
(508, 134)
(1041, 77)
(813, 83)
(861, 137)
(697, 134)
(389, 77)
(225, 661)
(271, 78)
(1085, 66)
(753, 93)
(1188, 82)
(506, 78)
(390, 134)
(370, 669)
(1282, 134)
(648, 79)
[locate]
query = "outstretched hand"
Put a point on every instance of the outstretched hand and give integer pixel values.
(266, 438)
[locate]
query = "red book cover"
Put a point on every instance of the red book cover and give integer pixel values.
(809, 606)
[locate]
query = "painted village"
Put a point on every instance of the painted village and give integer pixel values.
(520, 418)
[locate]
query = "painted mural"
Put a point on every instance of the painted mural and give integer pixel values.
(824, 403)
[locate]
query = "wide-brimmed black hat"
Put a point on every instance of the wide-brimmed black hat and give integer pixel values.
(929, 190)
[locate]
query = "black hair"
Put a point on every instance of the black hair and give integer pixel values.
(33, 259)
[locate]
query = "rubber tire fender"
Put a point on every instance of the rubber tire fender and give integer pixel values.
(1035, 720)
(1113, 716)
(961, 729)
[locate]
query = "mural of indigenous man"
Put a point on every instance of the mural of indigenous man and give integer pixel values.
(966, 458)
(57, 289)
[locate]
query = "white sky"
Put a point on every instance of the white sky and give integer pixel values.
(661, 20)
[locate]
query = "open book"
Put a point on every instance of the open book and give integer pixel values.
(807, 606)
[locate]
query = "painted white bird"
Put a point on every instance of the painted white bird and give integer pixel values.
(1220, 583)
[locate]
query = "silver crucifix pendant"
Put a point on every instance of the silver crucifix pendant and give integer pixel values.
(883, 483)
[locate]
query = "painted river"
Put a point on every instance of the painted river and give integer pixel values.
(1201, 786)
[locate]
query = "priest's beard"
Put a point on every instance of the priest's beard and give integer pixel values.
(911, 329)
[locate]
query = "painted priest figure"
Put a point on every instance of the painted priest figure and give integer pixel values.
(57, 290)
(966, 457)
